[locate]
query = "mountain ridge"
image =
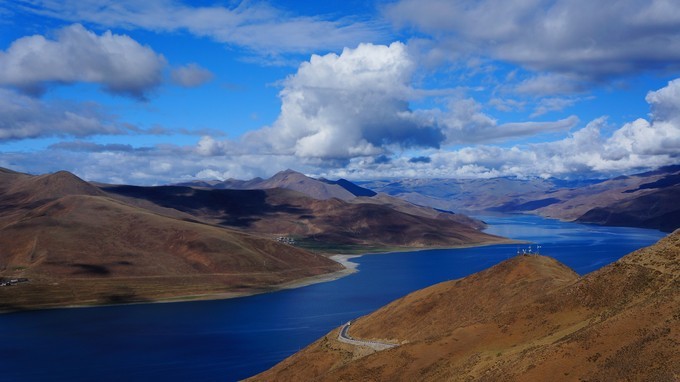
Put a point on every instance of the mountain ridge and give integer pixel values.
(292, 180)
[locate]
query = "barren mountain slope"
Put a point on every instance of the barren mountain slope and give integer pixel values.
(89, 248)
(647, 200)
(657, 208)
(576, 202)
(289, 180)
(526, 319)
(281, 212)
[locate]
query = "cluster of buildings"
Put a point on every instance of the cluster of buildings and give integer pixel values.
(286, 240)
(10, 282)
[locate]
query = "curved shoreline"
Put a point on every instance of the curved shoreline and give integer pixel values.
(350, 267)
(343, 259)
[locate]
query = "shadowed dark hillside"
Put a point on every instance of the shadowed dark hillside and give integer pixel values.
(659, 209)
(317, 222)
(237, 208)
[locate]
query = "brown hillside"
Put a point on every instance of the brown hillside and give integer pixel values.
(25, 189)
(292, 180)
(76, 234)
(281, 212)
(85, 248)
(658, 209)
(417, 210)
(649, 200)
(527, 319)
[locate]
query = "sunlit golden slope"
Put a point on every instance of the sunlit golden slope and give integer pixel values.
(527, 319)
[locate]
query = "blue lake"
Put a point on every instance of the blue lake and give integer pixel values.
(232, 339)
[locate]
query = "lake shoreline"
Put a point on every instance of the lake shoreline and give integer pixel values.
(343, 259)
(241, 337)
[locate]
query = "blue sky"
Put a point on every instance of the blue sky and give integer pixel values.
(163, 91)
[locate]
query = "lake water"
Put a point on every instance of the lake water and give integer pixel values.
(232, 339)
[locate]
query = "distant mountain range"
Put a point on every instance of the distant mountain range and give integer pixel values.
(291, 180)
(316, 212)
(529, 318)
(647, 200)
(81, 243)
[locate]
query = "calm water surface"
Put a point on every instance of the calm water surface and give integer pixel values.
(233, 339)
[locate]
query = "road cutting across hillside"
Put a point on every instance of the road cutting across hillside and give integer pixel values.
(344, 336)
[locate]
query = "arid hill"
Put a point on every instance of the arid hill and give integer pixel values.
(81, 243)
(290, 180)
(647, 200)
(527, 319)
(318, 223)
(79, 246)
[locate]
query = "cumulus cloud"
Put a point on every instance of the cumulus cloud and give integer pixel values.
(357, 104)
(660, 135)
(191, 75)
(589, 151)
(117, 62)
(637, 145)
(347, 105)
(257, 26)
(573, 37)
(208, 146)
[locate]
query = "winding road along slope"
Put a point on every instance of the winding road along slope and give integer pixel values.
(343, 336)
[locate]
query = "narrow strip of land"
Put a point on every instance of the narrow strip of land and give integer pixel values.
(344, 336)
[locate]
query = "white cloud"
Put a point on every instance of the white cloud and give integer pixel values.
(116, 62)
(337, 107)
(352, 104)
(640, 144)
(466, 123)
(257, 26)
(665, 102)
(26, 117)
(660, 135)
(208, 146)
(575, 37)
(160, 164)
(191, 75)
